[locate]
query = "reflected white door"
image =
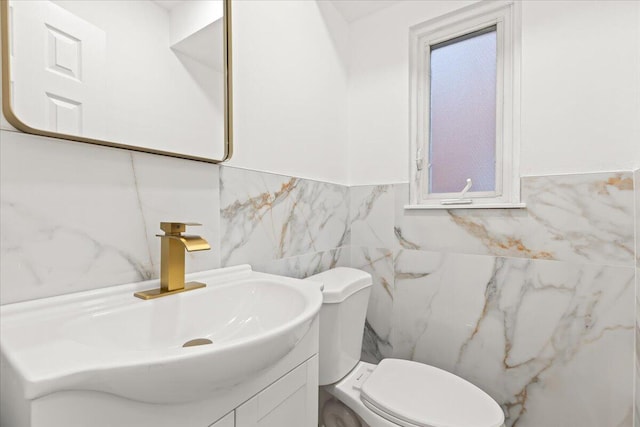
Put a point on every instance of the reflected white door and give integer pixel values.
(58, 69)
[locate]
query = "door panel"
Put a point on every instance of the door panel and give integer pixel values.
(66, 79)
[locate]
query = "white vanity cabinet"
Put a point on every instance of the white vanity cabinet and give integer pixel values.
(292, 401)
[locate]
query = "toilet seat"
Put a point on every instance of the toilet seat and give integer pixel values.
(412, 394)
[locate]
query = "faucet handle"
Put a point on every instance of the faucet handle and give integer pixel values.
(176, 227)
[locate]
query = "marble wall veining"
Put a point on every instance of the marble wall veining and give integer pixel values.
(75, 216)
(535, 306)
(543, 338)
(82, 217)
(282, 224)
(585, 218)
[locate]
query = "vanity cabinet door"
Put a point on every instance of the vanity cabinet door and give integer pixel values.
(292, 401)
(226, 421)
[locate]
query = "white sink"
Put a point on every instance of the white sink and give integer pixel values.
(109, 341)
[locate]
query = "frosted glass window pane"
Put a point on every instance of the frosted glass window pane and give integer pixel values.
(463, 114)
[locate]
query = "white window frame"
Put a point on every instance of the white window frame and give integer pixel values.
(505, 16)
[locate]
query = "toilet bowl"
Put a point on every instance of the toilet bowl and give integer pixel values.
(395, 392)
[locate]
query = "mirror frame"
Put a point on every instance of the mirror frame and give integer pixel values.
(14, 121)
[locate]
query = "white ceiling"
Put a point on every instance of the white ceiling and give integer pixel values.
(356, 9)
(349, 9)
(167, 4)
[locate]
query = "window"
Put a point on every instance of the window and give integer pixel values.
(465, 109)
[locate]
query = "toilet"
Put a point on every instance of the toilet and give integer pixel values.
(395, 392)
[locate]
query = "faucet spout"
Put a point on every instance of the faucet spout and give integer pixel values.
(190, 243)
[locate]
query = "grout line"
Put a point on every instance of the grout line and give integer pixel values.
(636, 191)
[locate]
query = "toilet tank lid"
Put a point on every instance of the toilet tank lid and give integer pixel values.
(340, 283)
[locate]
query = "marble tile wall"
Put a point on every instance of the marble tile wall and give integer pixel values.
(75, 217)
(535, 306)
(281, 224)
(81, 217)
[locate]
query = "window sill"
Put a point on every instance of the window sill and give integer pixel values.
(469, 206)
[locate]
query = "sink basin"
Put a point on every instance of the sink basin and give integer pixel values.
(107, 340)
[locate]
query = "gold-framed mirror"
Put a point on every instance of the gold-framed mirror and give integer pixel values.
(145, 75)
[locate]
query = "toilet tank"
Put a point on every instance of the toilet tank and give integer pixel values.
(344, 308)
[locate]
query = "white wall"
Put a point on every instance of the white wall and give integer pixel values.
(191, 17)
(290, 88)
(299, 110)
(581, 93)
(580, 88)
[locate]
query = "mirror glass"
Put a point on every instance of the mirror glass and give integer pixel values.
(143, 74)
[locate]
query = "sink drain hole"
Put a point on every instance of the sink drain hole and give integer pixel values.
(197, 341)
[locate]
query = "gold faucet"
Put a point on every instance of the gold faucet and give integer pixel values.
(173, 245)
